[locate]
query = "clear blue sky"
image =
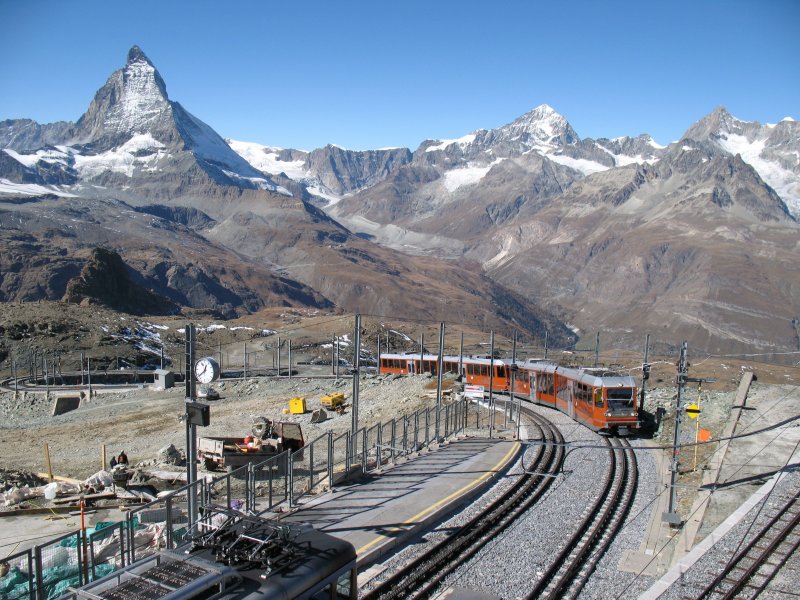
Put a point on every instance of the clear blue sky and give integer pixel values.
(371, 74)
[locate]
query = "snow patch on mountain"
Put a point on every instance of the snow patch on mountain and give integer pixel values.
(587, 167)
(463, 140)
(48, 155)
(784, 182)
(470, 175)
(258, 182)
(141, 150)
(31, 189)
(142, 102)
(265, 158)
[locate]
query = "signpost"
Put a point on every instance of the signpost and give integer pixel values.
(474, 392)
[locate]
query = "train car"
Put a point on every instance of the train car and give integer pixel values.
(478, 371)
(411, 364)
(601, 399)
(235, 556)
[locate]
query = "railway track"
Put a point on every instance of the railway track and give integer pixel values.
(573, 566)
(748, 573)
(421, 577)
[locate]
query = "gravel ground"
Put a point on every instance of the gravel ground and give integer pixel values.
(785, 585)
(508, 566)
(143, 421)
(512, 562)
(608, 579)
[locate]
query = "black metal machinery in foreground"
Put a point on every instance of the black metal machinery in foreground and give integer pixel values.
(231, 555)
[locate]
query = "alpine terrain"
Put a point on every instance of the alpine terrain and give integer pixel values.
(502, 227)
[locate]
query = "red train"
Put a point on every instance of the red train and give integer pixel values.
(602, 400)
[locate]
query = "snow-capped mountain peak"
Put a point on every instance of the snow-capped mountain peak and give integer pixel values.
(542, 125)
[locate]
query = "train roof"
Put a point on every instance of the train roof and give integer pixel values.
(291, 560)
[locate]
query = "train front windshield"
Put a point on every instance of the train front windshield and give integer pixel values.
(620, 401)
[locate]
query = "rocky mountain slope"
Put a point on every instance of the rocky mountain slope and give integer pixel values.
(622, 235)
(199, 225)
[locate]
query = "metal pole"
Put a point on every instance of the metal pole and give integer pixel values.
(671, 516)
(645, 372)
(461, 355)
(333, 355)
(513, 374)
(46, 383)
(421, 353)
(219, 353)
(290, 359)
(162, 358)
(356, 366)
(245, 359)
(439, 375)
(191, 432)
(597, 349)
(89, 375)
(337, 357)
(14, 374)
(279, 357)
(545, 344)
(491, 384)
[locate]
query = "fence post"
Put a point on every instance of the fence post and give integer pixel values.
(379, 445)
(250, 486)
(168, 511)
(290, 472)
(310, 467)
(364, 450)
(330, 461)
(393, 442)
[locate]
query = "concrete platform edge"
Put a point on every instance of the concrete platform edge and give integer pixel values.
(368, 555)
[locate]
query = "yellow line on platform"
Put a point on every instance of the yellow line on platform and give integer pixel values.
(433, 507)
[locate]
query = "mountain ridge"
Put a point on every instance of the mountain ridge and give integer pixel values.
(595, 229)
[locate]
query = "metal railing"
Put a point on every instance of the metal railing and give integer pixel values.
(78, 558)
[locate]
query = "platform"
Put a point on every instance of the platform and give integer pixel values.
(382, 511)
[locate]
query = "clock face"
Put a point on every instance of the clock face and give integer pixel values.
(206, 370)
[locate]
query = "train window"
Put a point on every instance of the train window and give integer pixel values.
(501, 371)
(598, 397)
(469, 369)
(522, 376)
(344, 587)
(485, 370)
(619, 398)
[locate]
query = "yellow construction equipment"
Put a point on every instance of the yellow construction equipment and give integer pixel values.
(297, 406)
(332, 401)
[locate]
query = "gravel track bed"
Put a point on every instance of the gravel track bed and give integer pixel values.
(520, 555)
(608, 580)
(508, 565)
(703, 572)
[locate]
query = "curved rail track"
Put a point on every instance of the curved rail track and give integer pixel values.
(749, 572)
(573, 566)
(421, 577)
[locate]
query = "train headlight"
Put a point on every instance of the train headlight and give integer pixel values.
(608, 414)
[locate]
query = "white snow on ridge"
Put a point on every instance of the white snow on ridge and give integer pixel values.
(122, 159)
(30, 160)
(260, 183)
(784, 182)
(30, 189)
(587, 167)
(141, 103)
(456, 178)
(464, 140)
(265, 158)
